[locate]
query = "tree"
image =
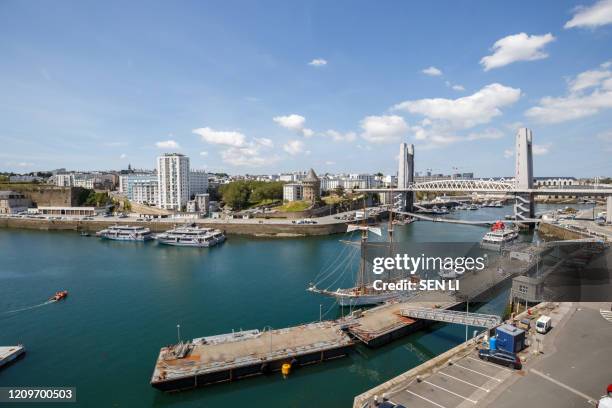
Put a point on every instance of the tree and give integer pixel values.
(339, 191)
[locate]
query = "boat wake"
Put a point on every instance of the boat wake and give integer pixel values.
(23, 309)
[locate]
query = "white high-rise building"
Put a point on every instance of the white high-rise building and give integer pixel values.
(173, 181)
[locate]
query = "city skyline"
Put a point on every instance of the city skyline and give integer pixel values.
(333, 87)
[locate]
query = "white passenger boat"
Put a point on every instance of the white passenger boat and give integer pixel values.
(125, 233)
(499, 236)
(191, 237)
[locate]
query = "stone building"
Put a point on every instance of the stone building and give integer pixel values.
(311, 188)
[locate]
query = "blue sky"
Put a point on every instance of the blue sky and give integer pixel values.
(270, 86)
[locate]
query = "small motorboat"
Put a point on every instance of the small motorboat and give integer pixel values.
(59, 295)
(85, 234)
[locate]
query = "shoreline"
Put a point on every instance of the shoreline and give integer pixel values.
(238, 227)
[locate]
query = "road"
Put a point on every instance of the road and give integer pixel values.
(572, 369)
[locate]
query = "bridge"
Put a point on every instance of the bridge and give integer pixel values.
(451, 316)
(520, 187)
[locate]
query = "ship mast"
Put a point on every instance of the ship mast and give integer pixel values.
(364, 240)
(390, 232)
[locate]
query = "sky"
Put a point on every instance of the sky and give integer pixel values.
(263, 87)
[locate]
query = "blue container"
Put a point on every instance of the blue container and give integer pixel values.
(492, 343)
(510, 338)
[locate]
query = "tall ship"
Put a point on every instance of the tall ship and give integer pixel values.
(499, 236)
(125, 233)
(363, 292)
(191, 236)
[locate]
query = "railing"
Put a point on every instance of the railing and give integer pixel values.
(451, 316)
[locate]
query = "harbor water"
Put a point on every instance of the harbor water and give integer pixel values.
(126, 299)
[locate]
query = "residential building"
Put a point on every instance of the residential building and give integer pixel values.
(144, 191)
(198, 182)
(293, 192)
(64, 180)
(173, 179)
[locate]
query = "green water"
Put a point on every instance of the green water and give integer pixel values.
(127, 298)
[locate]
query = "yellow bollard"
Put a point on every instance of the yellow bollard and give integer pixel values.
(286, 369)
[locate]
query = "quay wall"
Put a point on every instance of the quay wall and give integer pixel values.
(251, 229)
(53, 196)
(559, 232)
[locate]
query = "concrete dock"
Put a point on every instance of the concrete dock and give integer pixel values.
(233, 356)
(458, 378)
(8, 354)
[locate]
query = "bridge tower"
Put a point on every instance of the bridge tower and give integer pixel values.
(405, 175)
(523, 175)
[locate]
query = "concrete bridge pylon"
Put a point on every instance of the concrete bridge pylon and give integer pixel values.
(524, 206)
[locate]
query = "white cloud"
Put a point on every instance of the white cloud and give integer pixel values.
(330, 163)
(204, 153)
(294, 122)
(598, 14)
(458, 88)
(262, 141)
(123, 156)
(307, 132)
(432, 71)
(517, 47)
(508, 153)
(221, 137)
(383, 129)
(467, 111)
(588, 94)
(244, 156)
(486, 134)
(167, 144)
(540, 150)
(294, 147)
(341, 137)
(318, 62)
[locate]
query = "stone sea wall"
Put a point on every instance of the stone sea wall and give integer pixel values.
(267, 229)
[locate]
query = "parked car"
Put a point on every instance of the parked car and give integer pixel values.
(600, 221)
(501, 357)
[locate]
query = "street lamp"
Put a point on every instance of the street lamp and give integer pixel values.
(178, 332)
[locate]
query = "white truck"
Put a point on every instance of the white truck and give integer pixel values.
(543, 324)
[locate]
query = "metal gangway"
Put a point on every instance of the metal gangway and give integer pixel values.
(452, 316)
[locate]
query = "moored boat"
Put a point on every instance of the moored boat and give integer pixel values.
(125, 233)
(499, 236)
(191, 237)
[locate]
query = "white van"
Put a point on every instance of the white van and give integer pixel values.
(543, 324)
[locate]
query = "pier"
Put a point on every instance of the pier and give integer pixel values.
(233, 356)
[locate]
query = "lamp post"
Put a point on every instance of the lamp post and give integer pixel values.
(178, 332)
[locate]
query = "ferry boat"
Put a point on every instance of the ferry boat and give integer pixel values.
(125, 233)
(498, 236)
(191, 237)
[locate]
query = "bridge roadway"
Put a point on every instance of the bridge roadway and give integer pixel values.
(466, 222)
